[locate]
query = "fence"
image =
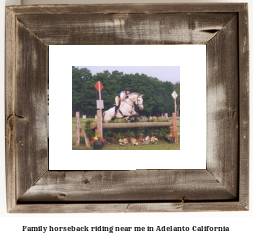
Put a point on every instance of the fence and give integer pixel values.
(96, 126)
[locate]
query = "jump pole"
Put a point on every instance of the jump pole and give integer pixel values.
(131, 125)
(83, 134)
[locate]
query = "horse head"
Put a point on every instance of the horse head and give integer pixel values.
(139, 100)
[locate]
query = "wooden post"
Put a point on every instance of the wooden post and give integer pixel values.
(77, 128)
(171, 130)
(175, 102)
(99, 124)
(99, 115)
(174, 119)
(174, 95)
(87, 141)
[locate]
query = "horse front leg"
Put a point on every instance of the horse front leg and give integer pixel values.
(126, 115)
(134, 115)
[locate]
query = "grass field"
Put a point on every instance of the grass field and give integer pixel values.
(161, 145)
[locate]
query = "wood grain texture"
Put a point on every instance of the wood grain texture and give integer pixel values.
(132, 29)
(139, 185)
(186, 207)
(244, 106)
(30, 108)
(9, 109)
(131, 125)
(222, 107)
(129, 207)
(223, 186)
(154, 8)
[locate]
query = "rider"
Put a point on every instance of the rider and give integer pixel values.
(121, 97)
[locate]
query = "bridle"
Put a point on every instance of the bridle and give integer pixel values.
(132, 105)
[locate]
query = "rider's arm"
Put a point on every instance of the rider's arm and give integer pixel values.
(122, 96)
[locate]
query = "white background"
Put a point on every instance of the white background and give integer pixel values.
(192, 62)
(11, 224)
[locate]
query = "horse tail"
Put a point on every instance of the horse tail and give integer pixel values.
(104, 115)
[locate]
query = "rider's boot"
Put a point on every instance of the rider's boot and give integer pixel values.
(116, 110)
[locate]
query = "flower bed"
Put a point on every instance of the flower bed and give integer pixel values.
(114, 135)
(123, 141)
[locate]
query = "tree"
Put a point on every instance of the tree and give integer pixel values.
(80, 79)
(157, 94)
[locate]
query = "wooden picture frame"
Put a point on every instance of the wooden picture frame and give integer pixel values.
(222, 186)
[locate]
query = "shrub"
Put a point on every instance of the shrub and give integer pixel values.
(113, 135)
(89, 132)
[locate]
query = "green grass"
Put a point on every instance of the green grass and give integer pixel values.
(178, 124)
(161, 145)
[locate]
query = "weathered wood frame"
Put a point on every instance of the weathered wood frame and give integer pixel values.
(222, 186)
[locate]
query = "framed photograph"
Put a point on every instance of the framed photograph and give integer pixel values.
(148, 74)
(47, 47)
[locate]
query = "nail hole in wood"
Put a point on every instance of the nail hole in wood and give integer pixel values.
(61, 195)
(86, 181)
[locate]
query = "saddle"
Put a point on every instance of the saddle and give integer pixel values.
(118, 110)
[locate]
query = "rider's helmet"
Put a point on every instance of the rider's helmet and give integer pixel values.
(127, 90)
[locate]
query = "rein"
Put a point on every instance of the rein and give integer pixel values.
(131, 101)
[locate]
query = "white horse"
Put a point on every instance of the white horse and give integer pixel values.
(126, 109)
